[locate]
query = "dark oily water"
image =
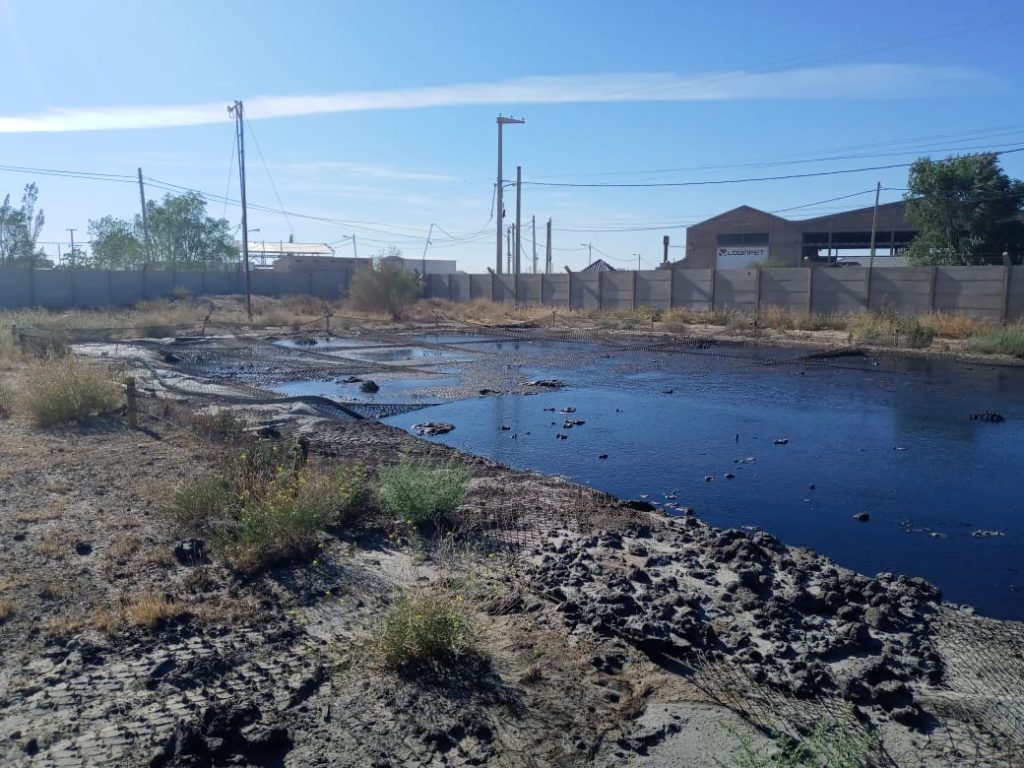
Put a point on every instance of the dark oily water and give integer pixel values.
(890, 438)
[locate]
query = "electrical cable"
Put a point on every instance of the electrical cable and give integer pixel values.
(273, 186)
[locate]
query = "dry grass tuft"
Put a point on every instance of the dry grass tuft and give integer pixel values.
(124, 547)
(954, 326)
(425, 629)
(55, 544)
(152, 610)
(53, 511)
(7, 609)
(60, 390)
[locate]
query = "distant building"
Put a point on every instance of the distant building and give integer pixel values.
(744, 236)
(598, 266)
(309, 262)
(265, 253)
(421, 266)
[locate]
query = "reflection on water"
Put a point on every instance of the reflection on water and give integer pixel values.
(892, 438)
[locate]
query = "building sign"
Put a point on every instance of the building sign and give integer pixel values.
(741, 256)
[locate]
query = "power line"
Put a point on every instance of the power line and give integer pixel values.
(273, 186)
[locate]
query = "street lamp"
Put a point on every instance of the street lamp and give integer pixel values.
(590, 252)
(502, 120)
(637, 261)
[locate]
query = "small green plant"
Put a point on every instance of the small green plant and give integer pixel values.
(889, 329)
(6, 401)
(829, 745)
(999, 341)
(384, 289)
(422, 493)
(59, 390)
(425, 629)
(265, 508)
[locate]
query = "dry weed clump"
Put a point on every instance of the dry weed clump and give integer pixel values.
(266, 506)
(890, 329)
(421, 493)
(7, 609)
(63, 389)
(787, 320)
(6, 400)
(955, 325)
(1008, 340)
(151, 610)
(425, 629)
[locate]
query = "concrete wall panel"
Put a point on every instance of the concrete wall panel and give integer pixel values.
(584, 290)
(460, 288)
(157, 285)
(505, 288)
(53, 288)
(530, 290)
(736, 289)
(90, 289)
(15, 288)
(840, 290)
(437, 287)
(785, 288)
(616, 290)
(193, 282)
(481, 287)
(125, 288)
(691, 289)
(1015, 297)
(654, 289)
(974, 291)
(907, 289)
(556, 290)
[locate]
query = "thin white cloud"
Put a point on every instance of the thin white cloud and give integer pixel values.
(862, 81)
(333, 167)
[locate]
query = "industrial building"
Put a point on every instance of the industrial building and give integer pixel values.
(745, 236)
(421, 266)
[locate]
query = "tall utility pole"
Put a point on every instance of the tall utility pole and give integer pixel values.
(547, 251)
(72, 253)
(508, 246)
(874, 224)
(533, 224)
(637, 261)
(519, 214)
(500, 215)
(147, 257)
(590, 252)
(355, 253)
(239, 113)
(423, 274)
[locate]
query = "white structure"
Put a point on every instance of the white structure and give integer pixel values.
(421, 266)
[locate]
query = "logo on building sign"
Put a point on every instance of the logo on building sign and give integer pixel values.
(743, 253)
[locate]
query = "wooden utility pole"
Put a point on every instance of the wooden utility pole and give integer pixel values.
(547, 250)
(71, 254)
(508, 247)
(239, 113)
(423, 274)
(499, 189)
(146, 256)
(533, 224)
(874, 223)
(355, 253)
(519, 213)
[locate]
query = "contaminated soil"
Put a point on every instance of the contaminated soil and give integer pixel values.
(612, 634)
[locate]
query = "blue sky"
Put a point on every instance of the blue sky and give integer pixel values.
(380, 115)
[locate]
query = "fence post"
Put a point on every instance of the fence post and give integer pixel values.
(671, 287)
(570, 289)
(757, 293)
(110, 288)
(450, 291)
(867, 289)
(713, 273)
(634, 291)
(600, 290)
(133, 403)
(1004, 310)
(810, 290)
(931, 289)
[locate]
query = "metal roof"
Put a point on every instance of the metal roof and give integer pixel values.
(278, 248)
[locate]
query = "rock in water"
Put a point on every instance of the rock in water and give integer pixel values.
(433, 428)
(369, 386)
(862, 517)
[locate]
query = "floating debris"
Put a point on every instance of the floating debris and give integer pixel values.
(862, 517)
(981, 534)
(781, 440)
(547, 383)
(433, 428)
(728, 475)
(602, 456)
(990, 416)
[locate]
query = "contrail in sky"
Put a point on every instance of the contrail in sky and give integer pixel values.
(862, 81)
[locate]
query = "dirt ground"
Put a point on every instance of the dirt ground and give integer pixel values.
(613, 635)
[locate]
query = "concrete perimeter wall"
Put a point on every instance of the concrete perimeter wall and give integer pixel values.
(996, 293)
(86, 289)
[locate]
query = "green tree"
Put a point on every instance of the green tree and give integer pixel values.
(116, 244)
(966, 210)
(384, 287)
(181, 233)
(20, 228)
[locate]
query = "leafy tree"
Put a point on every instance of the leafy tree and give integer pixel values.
(384, 287)
(20, 228)
(180, 232)
(966, 209)
(116, 244)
